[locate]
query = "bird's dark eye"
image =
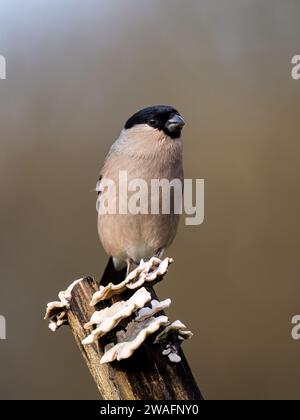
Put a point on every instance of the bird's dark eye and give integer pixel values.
(152, 123)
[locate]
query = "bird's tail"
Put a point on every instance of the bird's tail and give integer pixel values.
(111, 275)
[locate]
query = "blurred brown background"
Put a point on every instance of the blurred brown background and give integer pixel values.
(76, 70)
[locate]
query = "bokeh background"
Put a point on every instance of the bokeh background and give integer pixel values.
(76, 70)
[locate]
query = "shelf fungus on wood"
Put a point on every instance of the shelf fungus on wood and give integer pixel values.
(171, 351)
(138, 316)
(132, 338)
(108, 318)
(156, 307)
(56, 311)
(172, 337)
(147, 272)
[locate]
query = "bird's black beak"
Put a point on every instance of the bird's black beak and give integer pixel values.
(175, 123)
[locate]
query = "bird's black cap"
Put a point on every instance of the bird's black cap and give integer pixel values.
(161, 117)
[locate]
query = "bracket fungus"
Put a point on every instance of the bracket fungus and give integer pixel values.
(132, 338)
(176, 327)
(173, 336)
(56, 311)
(172, 352)
(147, 272)
(139, 316)
(109, 318)
(156, 307)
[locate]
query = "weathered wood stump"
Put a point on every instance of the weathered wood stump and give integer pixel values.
(147, 375)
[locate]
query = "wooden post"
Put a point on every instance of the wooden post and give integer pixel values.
(147, 375)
